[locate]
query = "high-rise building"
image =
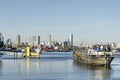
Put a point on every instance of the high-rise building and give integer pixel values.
(1, 37)
(38, 40)
(31, 41)
(71, 39)
(34, 41)
(18, 40)
(49, 39)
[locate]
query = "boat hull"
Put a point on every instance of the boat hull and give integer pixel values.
(93, 60)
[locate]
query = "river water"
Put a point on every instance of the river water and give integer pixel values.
(55, 68)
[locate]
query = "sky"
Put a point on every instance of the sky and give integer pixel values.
(90, 21)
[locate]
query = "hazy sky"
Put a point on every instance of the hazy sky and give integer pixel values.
(90, 21)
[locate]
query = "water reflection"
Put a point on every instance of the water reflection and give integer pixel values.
(96, 73)
(0, 64)
(28, 65)
(0, 67)
(62, 68)
(32, 64)
(101, 74)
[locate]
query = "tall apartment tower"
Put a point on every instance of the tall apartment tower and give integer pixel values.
(31, 41)
(71, 39)
(36, 40)
(18, 39)
(1, 37)
(49, 39)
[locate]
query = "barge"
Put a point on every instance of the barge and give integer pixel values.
(94, 58)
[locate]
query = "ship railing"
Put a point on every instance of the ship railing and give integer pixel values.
(108, 53)
(96, 53)
(101, 53)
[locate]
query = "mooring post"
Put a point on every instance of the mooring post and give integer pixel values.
(14, 55)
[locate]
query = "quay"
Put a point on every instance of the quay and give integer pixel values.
(43, 55)
(26, 53)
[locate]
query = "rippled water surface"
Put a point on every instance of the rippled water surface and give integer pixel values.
(55, 68)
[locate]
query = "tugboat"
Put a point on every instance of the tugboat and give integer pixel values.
(94, 57)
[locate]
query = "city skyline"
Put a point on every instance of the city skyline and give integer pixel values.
(35, 39)
(90, 21)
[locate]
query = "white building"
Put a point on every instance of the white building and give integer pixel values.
(113, 45)
(118, 45)
(71, 39)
